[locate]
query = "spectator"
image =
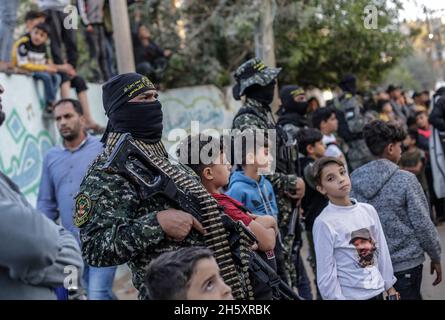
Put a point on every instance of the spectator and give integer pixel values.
(63, 170)
(385, 110)
(93, 18)
(402, 206)
(413, 159)
(314, 104)
(353, 261)
(311, 145)
(426, 99)
(437, 142)
(55, 17)
(8, 20)
(424, 129)
(192, 274)
(30, 54)
(215, 176)
(249, 185)
(35, 251)
(325, 120)
(150, 59)
(398, 103)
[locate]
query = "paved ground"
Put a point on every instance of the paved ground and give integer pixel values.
(125, 290)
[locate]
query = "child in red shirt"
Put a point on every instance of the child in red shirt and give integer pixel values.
(214, 176)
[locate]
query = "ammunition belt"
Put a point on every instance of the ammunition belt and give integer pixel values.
(217, 236)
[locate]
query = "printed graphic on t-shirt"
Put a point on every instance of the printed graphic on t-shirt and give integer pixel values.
(365, 246)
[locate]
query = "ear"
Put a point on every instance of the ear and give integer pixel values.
(250, 158)
(309, 149)
(321, 189)
(82, 120)
(390, 148)
(207, 173)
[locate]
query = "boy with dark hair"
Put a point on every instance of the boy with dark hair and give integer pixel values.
(312, 147)
(353, 261)
(425, 130)
(248, 185)
(413, 159)
(192, 274)
(213, 168)
(30, 53)
(325, 119)
(402, 206)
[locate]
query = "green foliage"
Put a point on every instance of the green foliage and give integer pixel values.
(414, 72)
(318, 41)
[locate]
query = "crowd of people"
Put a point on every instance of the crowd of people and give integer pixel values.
(48, 51)
(362, 177)
(354, 179)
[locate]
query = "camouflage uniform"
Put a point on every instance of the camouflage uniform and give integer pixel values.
(119, 226)
(351, 123)
(254, 115)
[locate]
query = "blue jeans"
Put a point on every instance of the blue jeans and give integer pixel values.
(99, 282)
(409, 282)
(50, 83)
(8, 20)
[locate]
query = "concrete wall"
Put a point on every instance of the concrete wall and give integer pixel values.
(25, 137)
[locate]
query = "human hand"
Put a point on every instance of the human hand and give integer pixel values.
(177, 224)
(438, 268)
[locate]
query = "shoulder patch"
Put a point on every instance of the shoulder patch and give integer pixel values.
(82, 210)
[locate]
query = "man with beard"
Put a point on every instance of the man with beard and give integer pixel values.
(125, 207)
(64, 167)
(257, 82)
(362, 241)
(35, 252)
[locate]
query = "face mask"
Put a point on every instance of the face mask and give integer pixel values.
(262, 94)
(142, 119)
(300, 107)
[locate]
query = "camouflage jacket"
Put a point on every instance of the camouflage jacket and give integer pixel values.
(118, 226)
(351, 122)
(260, 117)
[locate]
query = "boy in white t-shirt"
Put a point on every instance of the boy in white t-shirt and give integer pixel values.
(353, 261)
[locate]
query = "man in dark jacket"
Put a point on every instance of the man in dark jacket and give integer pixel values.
(437, 142)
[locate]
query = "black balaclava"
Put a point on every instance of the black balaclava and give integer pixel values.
(288, 104)
(264, 95)
(143, 120)
(349, 84)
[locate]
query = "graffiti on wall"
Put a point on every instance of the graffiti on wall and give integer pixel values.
(24, 137)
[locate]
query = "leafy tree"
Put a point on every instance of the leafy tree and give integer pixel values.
(318, 41)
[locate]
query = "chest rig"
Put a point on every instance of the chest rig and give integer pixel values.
(230, 241)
